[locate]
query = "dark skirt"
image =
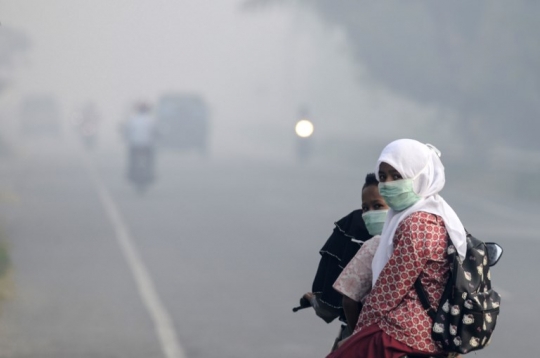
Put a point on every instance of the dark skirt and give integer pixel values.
(372, 342)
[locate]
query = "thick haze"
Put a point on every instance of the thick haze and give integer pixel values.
(214, 254)
(255, 68)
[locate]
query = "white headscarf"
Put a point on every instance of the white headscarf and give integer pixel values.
(420, 162)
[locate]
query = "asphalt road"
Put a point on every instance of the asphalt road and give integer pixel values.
(223, 250)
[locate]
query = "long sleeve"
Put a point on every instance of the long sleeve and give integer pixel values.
(355, 280)
(335, 255)
(420, 244)
(411, 252)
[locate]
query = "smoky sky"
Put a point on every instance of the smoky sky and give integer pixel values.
(256, 69)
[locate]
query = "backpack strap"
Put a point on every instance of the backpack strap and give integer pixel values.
(423, 298)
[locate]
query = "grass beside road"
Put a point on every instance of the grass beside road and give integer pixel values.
(6, 283)
(7, 196)
(4, 258)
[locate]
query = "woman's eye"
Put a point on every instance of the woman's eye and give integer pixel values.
(396, 177)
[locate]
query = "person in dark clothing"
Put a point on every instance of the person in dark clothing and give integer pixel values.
(348, 235)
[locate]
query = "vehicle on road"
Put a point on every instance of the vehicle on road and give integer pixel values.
(494, 254)
(40, 115)
(140, 134)
(141, 169)
(304, 141)
(183, 122)
(86, 123)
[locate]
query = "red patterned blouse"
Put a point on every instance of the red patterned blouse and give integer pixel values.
(420, 244)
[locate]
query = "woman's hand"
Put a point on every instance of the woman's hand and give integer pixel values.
(312, 298)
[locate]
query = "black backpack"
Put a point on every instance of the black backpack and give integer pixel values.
(468, 309)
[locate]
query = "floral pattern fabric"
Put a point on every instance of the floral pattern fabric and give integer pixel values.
(355, 279)
(420, 244)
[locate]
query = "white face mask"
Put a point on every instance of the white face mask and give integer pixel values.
(374, 221)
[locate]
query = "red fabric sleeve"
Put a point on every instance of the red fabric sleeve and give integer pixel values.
(408, 259)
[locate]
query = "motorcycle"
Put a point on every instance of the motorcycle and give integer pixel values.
(141, 168)
(494, 253)
(88, 133)
(86, 123)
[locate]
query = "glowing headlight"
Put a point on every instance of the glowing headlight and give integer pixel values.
(304, 128)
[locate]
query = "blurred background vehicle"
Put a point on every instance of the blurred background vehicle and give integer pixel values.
(304, 136)
(39, 114)
(141, 169)
(86, 123)
(140, 136)
(231, 234)
(182, 122)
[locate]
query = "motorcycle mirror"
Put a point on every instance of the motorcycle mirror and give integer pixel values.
(494, 253)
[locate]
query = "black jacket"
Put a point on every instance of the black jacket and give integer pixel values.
(348, 236)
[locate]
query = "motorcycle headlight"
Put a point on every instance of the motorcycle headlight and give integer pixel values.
(304, 128)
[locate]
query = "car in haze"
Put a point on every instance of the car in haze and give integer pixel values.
(40, 115)
(183, 122)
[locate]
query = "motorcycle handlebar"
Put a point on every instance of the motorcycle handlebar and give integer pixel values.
(304, 303)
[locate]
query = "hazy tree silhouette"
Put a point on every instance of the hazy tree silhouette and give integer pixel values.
(479, 58)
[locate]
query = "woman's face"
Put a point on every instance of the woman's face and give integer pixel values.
(372, 200)
(387, 173)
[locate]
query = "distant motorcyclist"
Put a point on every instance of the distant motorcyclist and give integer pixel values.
(140, 133)
(304, 131)
(86, 123)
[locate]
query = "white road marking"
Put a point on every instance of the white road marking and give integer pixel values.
(162, 321)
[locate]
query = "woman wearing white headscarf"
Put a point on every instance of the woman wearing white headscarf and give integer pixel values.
(413, 245)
